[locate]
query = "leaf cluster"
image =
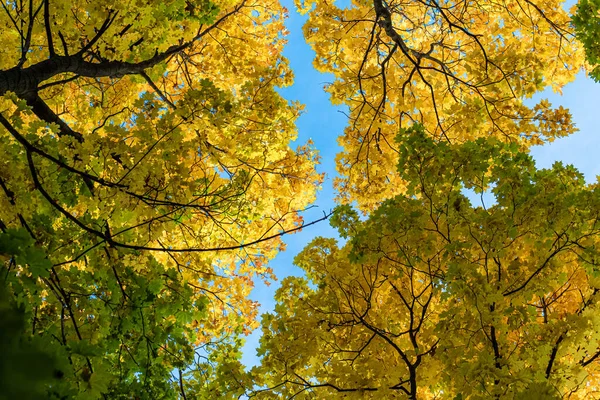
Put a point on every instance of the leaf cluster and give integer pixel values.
(586, 21)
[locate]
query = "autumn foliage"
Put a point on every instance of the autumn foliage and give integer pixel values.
(461, 69)
(433, 297)
(148, 173)
(138, 140)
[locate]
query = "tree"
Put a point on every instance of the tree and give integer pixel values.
(432, 297)
(461, 69)
(141, 140)
(586, 25)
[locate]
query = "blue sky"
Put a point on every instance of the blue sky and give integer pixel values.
(323, 123)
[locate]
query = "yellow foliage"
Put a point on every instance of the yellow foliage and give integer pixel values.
(461, 69)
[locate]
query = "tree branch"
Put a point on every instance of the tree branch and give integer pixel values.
(48, 28)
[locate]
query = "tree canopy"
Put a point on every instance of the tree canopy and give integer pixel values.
(461, 69)
(138, 140)
(432, 297)
(150, 168)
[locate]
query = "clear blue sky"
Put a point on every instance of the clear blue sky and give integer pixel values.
(323, 123)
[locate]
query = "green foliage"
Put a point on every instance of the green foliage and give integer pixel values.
(345, 219)
(31, 368)
(19, 244)
(587, 25)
